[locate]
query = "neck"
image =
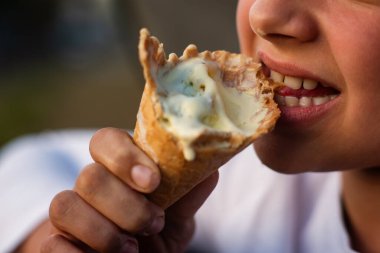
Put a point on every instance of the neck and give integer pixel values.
(361, 198)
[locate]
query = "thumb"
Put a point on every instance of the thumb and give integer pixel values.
(188, 205)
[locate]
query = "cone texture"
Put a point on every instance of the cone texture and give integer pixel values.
(179, 175)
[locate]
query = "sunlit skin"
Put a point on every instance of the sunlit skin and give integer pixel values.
(337, 42)
(334, 41)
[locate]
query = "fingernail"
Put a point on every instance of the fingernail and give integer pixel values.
(156, 226)
(144, 177)
(129, 247)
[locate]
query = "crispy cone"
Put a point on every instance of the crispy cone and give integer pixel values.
(179, 175)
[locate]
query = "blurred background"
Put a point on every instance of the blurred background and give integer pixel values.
(73, 63)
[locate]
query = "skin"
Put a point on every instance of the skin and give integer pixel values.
(337, 41)
(83, 219)
(314, 35)
(33, 243)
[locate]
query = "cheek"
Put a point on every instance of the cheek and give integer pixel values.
(355, 45)
(359, 61)
(245, 33)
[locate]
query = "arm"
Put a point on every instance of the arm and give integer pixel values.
(32, 243)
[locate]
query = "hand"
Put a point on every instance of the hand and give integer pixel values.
(108, 212)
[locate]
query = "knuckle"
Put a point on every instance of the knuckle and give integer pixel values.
(113, 148)
(101, 133)
(50, 244)
(61, 206)
(121, 163)
(99, 137)
(111, 244)
(96, 137)
(142, 218)
(108, 134)
(90, 180)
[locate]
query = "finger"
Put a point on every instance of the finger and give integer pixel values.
(115, 149)
(58, 244)
(180, 215)
(71, 214)
(74, 241)
(125, 207)
(187, 206)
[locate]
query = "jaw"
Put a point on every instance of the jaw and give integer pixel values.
(288, 155)
(279, 154)
(294, 147)
(316, 150)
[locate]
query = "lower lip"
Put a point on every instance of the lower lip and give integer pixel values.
(307, 115)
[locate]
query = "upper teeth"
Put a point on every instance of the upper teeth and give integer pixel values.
(309, 84)
(294, 83)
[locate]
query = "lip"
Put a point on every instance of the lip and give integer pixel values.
(307, 115)
(290, 69)
(300, 115)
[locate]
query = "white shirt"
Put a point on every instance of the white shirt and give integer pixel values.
(253, 209)
(256, 210)
(32, 170)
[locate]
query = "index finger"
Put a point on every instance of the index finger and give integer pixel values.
(115, 149)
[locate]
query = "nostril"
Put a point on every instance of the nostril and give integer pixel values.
(279, 36)
(279, 20)
(276, 37)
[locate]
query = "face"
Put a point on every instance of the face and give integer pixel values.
(328, 54)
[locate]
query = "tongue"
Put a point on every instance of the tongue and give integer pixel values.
(320, 91)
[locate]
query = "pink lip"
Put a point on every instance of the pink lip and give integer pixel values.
(291, 70)
(306, 115)
(300, 115)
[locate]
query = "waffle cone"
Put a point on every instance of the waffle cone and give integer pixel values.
(179, 175)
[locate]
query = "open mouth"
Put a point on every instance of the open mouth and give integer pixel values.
(304, 98)
(302, 92)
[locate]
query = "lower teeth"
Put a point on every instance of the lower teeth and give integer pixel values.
(291, 101)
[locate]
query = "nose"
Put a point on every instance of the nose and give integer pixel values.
(283, 19)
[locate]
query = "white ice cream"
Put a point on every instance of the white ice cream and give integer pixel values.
(195, 100)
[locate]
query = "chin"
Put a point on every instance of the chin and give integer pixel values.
(294, 156)
(282, 157)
